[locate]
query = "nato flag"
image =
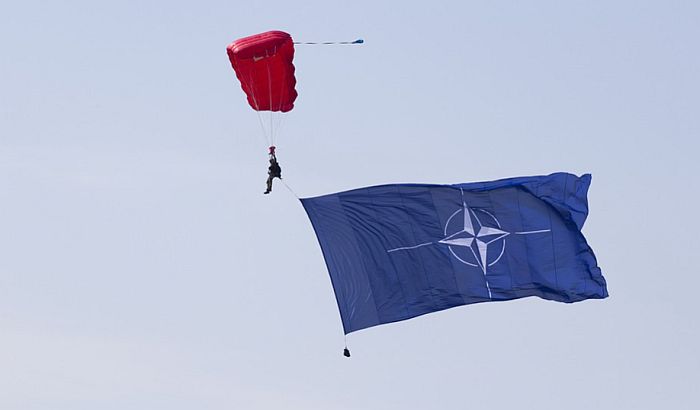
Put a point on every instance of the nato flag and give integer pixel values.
(399, 251)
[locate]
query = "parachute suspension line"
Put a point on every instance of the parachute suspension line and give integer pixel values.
(278, 125)
(257, 107)
(266, 139)
(280, 116)
(328, 43)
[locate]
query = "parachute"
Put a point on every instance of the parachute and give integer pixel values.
(263, 65)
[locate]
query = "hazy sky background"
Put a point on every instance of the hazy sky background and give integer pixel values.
(142, 268)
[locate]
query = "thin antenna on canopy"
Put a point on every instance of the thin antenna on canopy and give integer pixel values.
(327, 43)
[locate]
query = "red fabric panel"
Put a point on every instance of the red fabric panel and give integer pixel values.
(263, 65)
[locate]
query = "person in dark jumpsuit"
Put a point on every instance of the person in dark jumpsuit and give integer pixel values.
(273, 171)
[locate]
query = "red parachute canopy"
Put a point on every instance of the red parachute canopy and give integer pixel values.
(263, 65)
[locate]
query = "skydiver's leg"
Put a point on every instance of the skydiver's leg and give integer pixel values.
(269, 185)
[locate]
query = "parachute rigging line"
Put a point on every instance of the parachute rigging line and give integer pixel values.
(266, 139)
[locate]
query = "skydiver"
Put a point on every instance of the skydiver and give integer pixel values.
(273, 171)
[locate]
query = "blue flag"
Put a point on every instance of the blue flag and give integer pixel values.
(399, 251)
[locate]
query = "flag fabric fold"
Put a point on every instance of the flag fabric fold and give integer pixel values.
(399, 251)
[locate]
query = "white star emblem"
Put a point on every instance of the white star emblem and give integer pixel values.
(475, 236)
(474, 239)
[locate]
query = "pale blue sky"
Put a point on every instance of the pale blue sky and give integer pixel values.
(142, 268)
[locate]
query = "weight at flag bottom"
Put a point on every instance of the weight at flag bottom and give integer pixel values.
(399, 251)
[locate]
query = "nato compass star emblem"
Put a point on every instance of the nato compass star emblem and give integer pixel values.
(474, 237)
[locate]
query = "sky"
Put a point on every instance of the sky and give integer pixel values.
(142, 268)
